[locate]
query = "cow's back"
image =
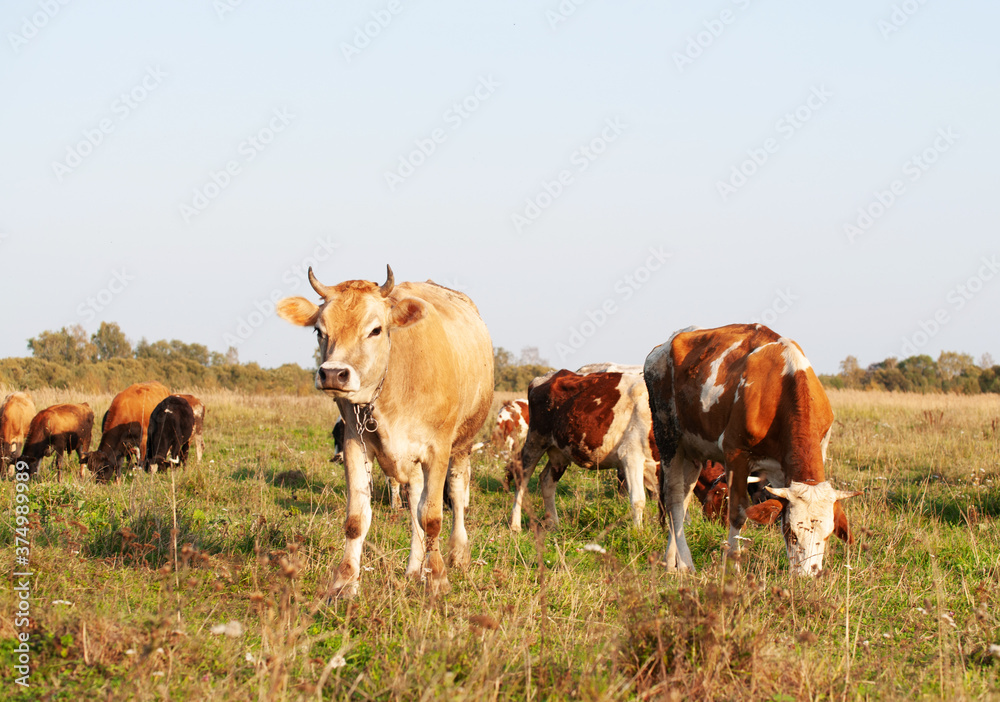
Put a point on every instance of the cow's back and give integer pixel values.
(65, 423)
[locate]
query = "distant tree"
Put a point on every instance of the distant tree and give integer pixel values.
(68, 345)
(512, 376)
(230, 358)
(986, 361)
(989, 380)
(851, 372)
(172, 350)
(922, 373)
(531, 357)
(952, 364)
(111, 342)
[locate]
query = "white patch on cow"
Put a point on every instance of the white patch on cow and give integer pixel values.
(795, 360)
(771, 469)
(825, 442)
(722, 437)
(710, 392)
(809, 517)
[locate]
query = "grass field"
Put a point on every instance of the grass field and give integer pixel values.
(203, 584)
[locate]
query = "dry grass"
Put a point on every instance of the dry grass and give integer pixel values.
(150, 566)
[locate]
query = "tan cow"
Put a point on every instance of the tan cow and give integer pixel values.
(16, 413)
(124, 430)
(411, 369)
(598, 420)
(747, 397)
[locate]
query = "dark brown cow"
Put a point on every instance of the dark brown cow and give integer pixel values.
(599, 420)
(198, 431)
(748, 397)
(124, 430)
(15, 418)
(411, 369)
(171, 427)
(58, 429)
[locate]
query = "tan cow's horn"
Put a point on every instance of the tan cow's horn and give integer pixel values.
(317, 286)
(389, 283)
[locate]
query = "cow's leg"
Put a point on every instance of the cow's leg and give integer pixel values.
(59, 455)
(395, 501)
(680, 478)
(737, 471)
(359, 517)
(460, 472)
(553, 470)
(530, 455)
(199, 445)
(416, 562)
(431, 511)
(634, 476)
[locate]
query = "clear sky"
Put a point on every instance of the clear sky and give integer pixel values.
(594, 175)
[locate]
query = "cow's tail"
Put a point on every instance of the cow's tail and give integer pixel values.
(666, 433)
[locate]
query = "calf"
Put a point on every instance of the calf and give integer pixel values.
(16, 413)
(124, 430)
(747, 397)
(57, 430)
(171, 426)
(511, 427)
(600, 420)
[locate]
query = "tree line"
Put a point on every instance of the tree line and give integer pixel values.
(107, 361)
(951, 372)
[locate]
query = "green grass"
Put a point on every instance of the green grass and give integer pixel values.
(151, 565)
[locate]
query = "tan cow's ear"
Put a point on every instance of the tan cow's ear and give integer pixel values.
(765, 513)
(298, 310)
(407, 311)
(840, 527)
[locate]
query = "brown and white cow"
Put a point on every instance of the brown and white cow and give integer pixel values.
(511, 427)
(57, 430)
(16, 413)
(124, 430)
(198, 431)
(598, 420)
(411, 369)
(747, 397)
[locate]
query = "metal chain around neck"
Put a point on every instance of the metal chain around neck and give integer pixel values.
(364, 420)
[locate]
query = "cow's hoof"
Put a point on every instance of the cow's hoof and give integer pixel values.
(342, 591)
(459, 557)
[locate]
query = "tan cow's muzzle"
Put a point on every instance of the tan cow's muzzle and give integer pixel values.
(337, 378)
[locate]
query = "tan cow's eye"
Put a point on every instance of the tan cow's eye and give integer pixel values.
(375, 332)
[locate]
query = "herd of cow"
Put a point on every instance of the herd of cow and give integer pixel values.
(144, 426)
(734, 416)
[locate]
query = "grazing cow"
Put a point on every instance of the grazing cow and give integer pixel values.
(747, 397)
(395, 497)
(124, 430)
(16, 413)
(600, 420)
(511, 427)
(411, 370)
(171, 428)
(197, 432)
(58, 429)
